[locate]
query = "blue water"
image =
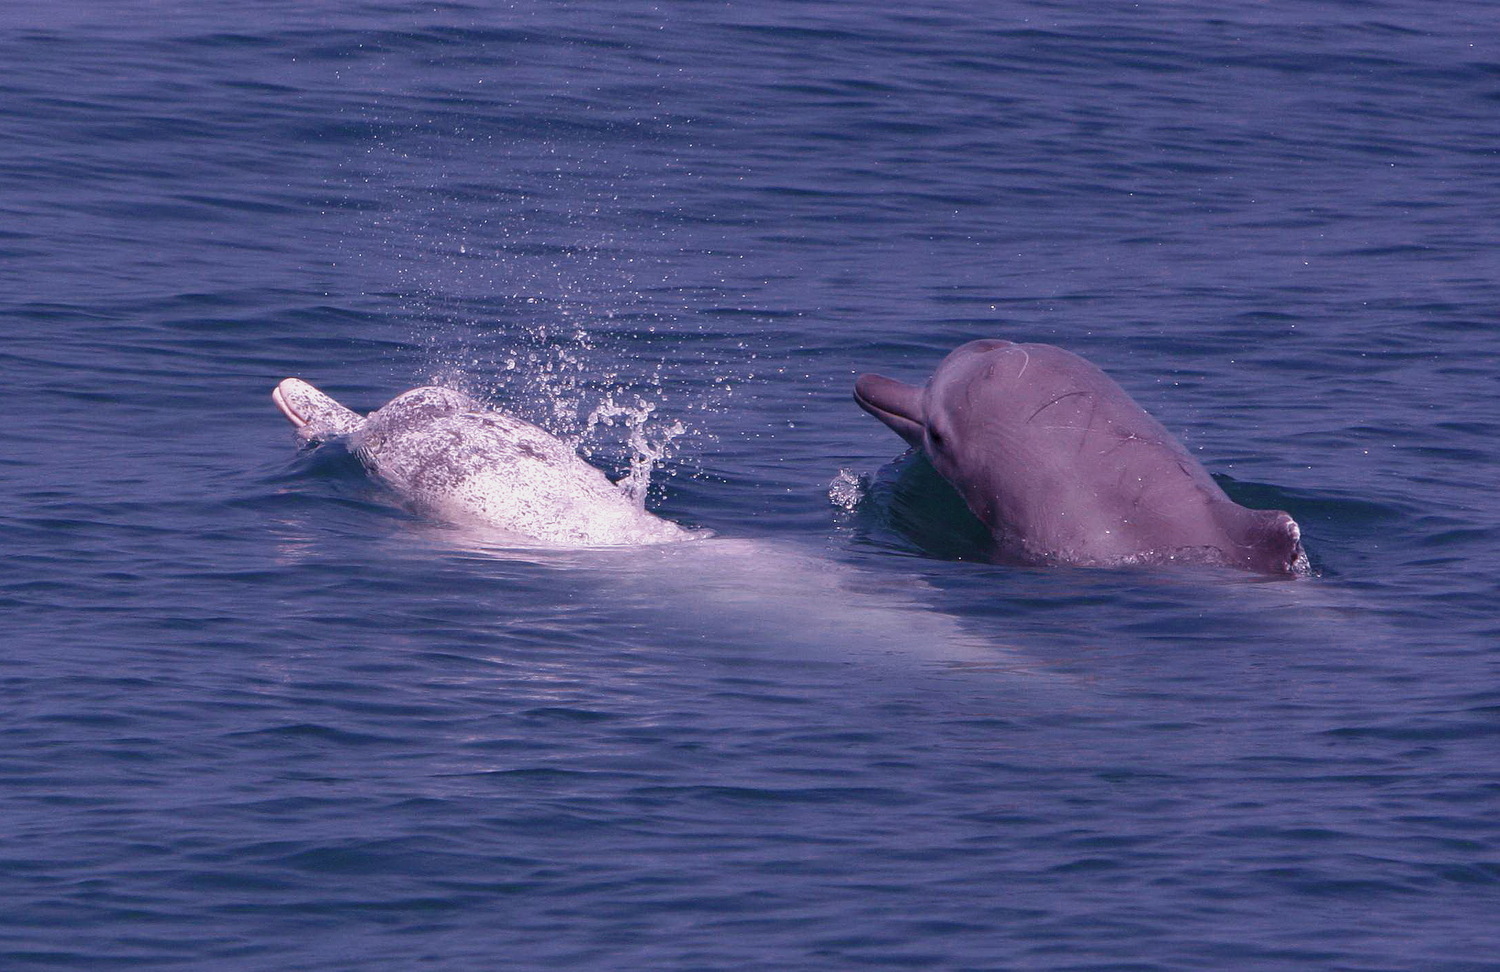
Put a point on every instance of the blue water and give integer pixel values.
(258, 715)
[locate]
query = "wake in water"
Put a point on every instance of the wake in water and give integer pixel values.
(532, 496)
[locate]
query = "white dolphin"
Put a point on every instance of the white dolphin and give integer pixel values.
(452, 458)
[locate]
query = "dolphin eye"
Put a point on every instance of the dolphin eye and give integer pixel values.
(934, 437)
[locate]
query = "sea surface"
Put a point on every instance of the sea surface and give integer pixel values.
(258, 714)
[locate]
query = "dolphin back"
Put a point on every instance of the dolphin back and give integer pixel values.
(316, 415)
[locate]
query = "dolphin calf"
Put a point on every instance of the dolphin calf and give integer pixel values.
(450, 457)
(1063, 467)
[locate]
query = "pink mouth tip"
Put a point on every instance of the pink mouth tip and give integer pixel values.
(279, 398)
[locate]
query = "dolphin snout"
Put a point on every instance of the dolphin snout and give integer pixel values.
(895, 403)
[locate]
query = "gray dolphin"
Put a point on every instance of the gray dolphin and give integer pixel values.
(451, 457)
(1064, 467)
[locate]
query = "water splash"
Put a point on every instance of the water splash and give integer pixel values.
(649, 444)
(526, 278)
(847, 490)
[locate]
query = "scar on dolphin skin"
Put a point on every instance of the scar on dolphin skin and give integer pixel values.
(1079, 507)
(1064, 395)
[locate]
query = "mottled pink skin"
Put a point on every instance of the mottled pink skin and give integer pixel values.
(1064, 467)
(450, 457)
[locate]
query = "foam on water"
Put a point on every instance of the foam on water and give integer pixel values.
(847, 490)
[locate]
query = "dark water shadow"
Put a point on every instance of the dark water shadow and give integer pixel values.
(909, 508)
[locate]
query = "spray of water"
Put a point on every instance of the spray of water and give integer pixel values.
(847, 490)
(650, 443)
(534, 274)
